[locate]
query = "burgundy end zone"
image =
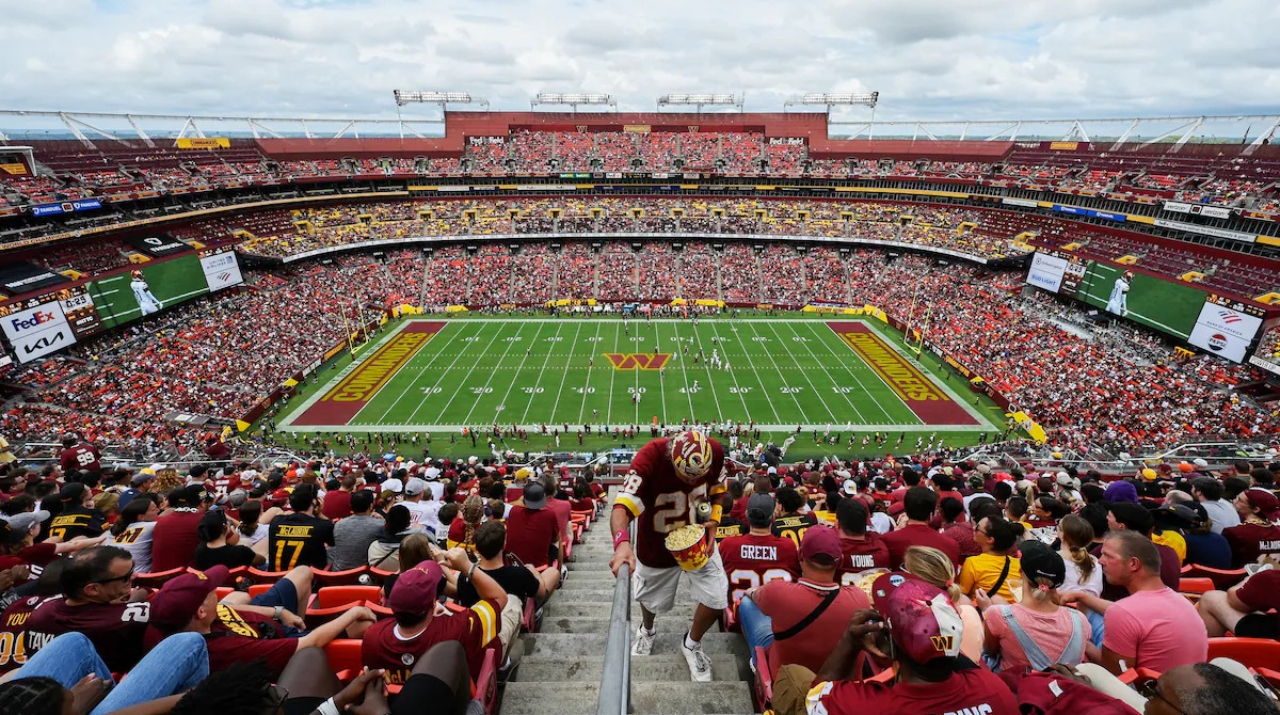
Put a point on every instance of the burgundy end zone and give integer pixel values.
(340, 404)
(913, 387)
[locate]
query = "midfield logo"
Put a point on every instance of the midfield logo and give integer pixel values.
(638, 361)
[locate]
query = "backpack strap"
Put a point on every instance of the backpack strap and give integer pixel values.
(1036, 656)
(1004, 574)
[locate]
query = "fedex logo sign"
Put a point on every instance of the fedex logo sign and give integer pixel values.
(36, 317)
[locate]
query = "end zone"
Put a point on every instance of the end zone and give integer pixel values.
(343, 401)
(916, 390)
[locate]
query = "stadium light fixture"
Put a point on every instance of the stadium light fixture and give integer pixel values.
(700, 101)
(831, 100)
(573, 100)
(441, 98)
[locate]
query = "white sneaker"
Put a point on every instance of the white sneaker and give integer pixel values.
(643, 642)
(699, 662)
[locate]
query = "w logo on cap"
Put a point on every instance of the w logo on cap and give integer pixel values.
(943, 644)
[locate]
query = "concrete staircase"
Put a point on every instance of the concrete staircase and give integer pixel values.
(562, 665)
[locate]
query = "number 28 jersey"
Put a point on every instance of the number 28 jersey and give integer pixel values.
(661, 501)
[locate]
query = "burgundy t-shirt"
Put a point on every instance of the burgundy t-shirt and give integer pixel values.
(337, 505)
(858, 555)
(918, 535)
(1253, 543)
(530, 534)
(13, 633)
(175, 539)
(115, 629)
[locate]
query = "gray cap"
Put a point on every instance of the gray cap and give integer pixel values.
(237, 498)
(535, 497)
(23, 521)
(760, 509)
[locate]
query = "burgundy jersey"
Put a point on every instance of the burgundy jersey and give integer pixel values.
(662, 502)
(115, 629)
(476, 628)
(13, 633)
(81, 456)
(752, 561)
(858, 556)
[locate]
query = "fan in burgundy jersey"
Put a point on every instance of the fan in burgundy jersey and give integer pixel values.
(661, 499)
(77, 455)
(13, 622)
(758, 557)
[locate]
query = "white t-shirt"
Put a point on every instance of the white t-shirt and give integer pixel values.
(881, 523)
(425, 514)
(137, 541)
(1072, 582)
(437, 491)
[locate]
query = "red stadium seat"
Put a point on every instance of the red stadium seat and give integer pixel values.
(1195, 585)
(350, 577)
(267, 577)
(345, 658)
(320, 616)
(157, 579)
(379, 610)
(224, 591)
(332, 596)
(1251, 652)
(258, 589)
(1222, 579)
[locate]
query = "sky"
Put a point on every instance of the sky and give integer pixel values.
(929, 59)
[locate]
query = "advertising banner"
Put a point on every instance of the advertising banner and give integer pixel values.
(37, 330)
(158, 246)
(1206, 230)
(14, 169)
(1046, 271)
(1223, 330)
(220, 270)
(66, 207)
(23, 277)
(204, 143)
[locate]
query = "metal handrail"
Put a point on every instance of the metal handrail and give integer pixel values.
(615, 681)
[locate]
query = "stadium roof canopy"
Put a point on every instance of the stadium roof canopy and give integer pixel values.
(18, 125)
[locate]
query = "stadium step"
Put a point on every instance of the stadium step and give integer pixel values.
(569, 651)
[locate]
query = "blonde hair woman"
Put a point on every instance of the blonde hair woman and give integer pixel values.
(935, 567)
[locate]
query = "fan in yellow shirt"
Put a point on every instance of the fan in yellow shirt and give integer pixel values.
(997, 538)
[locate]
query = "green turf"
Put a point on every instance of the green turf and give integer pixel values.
(783, 372)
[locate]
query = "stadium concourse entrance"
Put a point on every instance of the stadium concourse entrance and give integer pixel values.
(591, 383)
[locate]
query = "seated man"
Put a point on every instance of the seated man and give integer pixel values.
(1243, 609)
(97, 602)
(237, 634)
(922, 642)
(802, 621)
(420, 622)
(523, 582)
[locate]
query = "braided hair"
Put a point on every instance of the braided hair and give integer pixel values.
(243, 688)
(472, 513)
(32, 696)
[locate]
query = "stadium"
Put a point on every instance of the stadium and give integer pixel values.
(265, 306)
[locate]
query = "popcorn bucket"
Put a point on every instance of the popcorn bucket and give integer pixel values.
(691, 546)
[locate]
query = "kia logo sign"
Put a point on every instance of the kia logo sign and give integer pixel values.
(44, 342)
(1217, 342)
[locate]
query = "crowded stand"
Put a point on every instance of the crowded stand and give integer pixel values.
(851, 584)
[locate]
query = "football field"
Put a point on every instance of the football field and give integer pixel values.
(442, 375)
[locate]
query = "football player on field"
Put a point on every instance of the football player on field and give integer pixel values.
(669, 479)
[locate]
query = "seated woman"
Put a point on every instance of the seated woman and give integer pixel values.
(1036, 632)
(994, 570)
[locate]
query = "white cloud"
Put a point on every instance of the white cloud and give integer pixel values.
(928, 58)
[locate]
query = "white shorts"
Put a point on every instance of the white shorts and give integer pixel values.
(655, 588)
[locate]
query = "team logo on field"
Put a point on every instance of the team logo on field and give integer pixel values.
(638, 361)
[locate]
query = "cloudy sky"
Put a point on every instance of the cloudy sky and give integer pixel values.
(929, 59)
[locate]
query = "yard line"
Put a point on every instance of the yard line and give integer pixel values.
(746, 410)
(843, 361)
(414, 382)
(809, 350)
(684, 374)
(763, 390)
(445, 374)
(541, 372)
(582, 413)
(563, 374)
(512, 383)
(463, 381)
(662, 382)
(608, 413)
(777, 367)
(711, 382)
